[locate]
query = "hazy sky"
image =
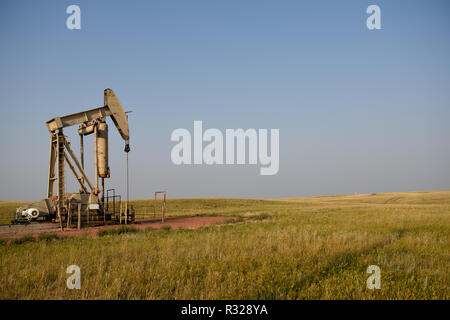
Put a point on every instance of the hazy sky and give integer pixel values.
(358, 110)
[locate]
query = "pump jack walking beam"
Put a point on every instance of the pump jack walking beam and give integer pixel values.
(112, 108)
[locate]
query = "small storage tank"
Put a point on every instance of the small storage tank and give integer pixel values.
(102, 150)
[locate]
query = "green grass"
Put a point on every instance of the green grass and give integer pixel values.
(48, 236)
(22, 240)
(166, 228)
(116, 231)
(199, 207)
(309, 248)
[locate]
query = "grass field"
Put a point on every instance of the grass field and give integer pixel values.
(306, 248)
(7, 210)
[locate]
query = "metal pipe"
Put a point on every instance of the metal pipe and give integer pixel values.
(79, 216)
(82, 154)
(96, 160)
(126, 206)
(103, 190)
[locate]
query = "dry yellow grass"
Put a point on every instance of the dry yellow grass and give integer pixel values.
(306, 248)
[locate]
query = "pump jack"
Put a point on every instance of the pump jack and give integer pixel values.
(83, 207)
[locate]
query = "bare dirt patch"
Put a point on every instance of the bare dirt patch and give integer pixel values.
(17, 231)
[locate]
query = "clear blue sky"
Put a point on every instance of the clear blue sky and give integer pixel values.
(358, 110)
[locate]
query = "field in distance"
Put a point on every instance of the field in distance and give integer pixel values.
(301, 248)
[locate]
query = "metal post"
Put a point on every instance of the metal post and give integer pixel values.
(79, 216)
(103, 204)
(68, 215)
(154, 207)
(52, 165)
(164, 207)
(96, 160)
(120, 213)
(61, 189)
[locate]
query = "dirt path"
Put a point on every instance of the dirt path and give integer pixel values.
(17, 231)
